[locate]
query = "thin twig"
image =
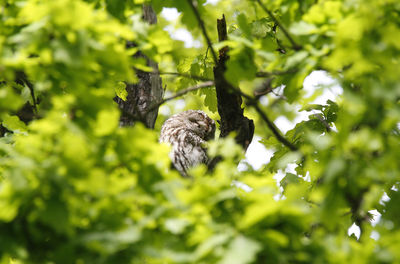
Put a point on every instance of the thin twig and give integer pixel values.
(182, 92)
(275, 130)
(203, 29)
(280, 48)
(273, 73)
(189, 76)
(201, 78)
(324, 122)
(295, 46)
(33, 99)
(205, 57)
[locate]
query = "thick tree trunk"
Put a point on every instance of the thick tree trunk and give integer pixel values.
(142, 95)
(230, 103)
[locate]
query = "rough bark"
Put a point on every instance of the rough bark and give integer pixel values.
(230, 103)
(142, 95)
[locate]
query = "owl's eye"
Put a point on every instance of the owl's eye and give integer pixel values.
(195, 121)
(192, 119)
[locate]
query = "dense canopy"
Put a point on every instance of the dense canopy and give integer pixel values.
(76, 187)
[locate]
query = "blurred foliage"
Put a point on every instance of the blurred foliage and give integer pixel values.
(77, 188)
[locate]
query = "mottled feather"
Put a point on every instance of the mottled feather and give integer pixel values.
(187, 132)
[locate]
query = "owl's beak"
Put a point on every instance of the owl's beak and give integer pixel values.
(211, 129)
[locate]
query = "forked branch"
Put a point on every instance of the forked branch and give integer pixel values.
(225, 89)
(253, 102)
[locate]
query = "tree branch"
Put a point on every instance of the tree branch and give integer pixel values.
(262, 74)
(22, 79)
(254, 103)
(189, 76)
(275, 130)
(182, 92)
(146, 90)
(295, 46)
(324, 122)
(203, 29)
(229, 103)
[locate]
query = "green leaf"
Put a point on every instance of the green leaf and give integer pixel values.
(210, 99)
(289, 179)
(81, 189)
(176, 225)
(290, 157)
(120, 90)
(116, 8)
(302, 28)
(295, 59)
(315, 123)
(13, 123)
(8, 204)
(293, 85)
(277, 237)
(55, 215)
(260, 28)
(244, 25)
(211, 243)
(311, 107)
(9, 99)
(240, 66)
(241, 250)
(256, 212)
(107, 121)
(331, 111)
(112, 241)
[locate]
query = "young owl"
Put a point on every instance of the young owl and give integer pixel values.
(187, 132)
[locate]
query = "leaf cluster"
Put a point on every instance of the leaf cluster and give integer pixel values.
(77, 188)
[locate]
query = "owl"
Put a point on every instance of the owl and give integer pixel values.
(187, 132)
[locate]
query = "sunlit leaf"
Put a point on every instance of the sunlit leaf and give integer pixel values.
(120, 90)
(107, 122)
(13, 123)
(241, 250)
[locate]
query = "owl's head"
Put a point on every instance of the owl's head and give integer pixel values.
(195, 121)
(200, 123)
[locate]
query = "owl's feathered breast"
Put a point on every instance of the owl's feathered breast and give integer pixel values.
(187, 132)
